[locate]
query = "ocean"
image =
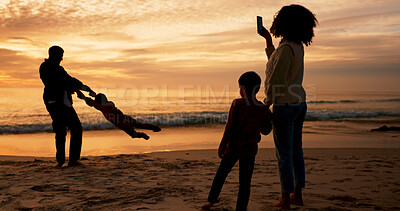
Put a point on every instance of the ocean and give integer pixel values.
(22, 109)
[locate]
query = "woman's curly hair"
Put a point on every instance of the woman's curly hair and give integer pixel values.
(294, 23)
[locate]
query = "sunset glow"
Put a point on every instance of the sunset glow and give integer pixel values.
(124, 43)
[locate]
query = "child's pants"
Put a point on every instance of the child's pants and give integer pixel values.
(246, 166)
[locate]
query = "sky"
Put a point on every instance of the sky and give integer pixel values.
(125, 43)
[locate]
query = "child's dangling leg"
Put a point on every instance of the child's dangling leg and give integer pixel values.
(126, 126)
(135, 134)
(147, 126)
(140, 125)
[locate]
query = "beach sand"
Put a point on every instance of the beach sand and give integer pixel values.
(347, 168)
(336, 179)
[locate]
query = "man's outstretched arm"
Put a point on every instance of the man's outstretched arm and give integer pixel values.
(75, 84)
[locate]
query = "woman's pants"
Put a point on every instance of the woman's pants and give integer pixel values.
(287, 120)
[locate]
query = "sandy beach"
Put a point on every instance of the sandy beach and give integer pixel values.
(337, 179)
(347, 168)
(110, 68)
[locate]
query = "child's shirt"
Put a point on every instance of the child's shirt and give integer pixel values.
(245, 123)
(110, 112)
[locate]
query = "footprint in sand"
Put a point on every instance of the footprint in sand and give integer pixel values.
(342, 180)
(344, 198)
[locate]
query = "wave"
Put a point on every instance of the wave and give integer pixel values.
(320, 101)
(332, 115)
(333, 101)
(98, 122)
(351, 101)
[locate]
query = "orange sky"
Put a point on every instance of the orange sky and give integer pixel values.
(124, 43)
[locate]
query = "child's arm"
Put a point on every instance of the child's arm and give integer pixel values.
(89, 101)
(80, 94)
(229, 129)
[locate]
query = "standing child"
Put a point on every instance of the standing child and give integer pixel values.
(248, 117)
(115, 116)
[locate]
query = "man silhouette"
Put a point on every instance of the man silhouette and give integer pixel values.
(58, 87)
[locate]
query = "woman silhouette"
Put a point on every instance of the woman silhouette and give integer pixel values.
(283, 88)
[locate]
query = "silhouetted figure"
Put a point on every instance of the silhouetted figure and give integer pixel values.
(115, 116)
(58, 87)
(248, 117)
(284, 90)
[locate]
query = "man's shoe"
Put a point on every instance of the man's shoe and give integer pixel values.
(58, 165)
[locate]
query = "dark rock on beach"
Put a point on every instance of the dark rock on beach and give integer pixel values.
(386, 128)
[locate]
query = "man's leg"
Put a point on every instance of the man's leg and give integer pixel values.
(74, 124)
(60, 130)
(57, 113)
(227, 163)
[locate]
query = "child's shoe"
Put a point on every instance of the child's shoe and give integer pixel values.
(143, 135)
(207, 206)
(156, 129)
(140, 135)
(284, 203)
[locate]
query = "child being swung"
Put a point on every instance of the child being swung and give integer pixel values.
(115, 116)
(248, 119)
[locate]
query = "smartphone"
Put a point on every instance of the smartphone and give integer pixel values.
(259, 24)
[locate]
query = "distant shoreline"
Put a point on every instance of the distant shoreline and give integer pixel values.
(114, 142)
(186, 151)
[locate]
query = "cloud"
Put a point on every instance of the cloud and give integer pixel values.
(18, 69)
(110, 35)
(155, 41)
(360, 18)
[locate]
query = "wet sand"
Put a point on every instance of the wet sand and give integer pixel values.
(112, 142)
